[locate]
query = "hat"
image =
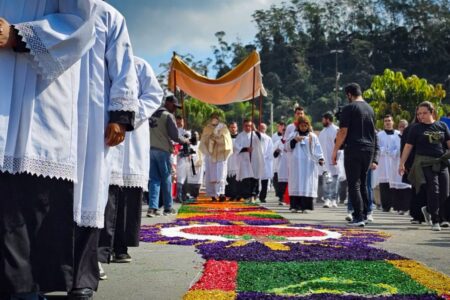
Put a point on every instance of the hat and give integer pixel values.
(174, 100)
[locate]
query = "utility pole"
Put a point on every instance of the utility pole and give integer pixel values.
(336, 89)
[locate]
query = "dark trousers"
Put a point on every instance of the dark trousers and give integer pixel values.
(342, 190)
(437, 191)
(86, 272)
(248, 187)
(418, 200)
(263, 192)
(282, 186)
(193, 189)
(122, 222)
(356, 164)
(401, 199)
(36, 234)
(386, 195)
(301, 203)
(231, 189)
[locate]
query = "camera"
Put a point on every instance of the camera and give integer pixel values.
(339, 112)
(186, 148)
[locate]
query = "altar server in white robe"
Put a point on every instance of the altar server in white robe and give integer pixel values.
(389, 143)
(111, 110)
(327, 137)
(267, 145)
(181, 159)
(282, 170)
(130, 168)
(232, 189)
(42, 79)
(251, 160)
(281, 127)
(195, 179)
(306, 157)
(216, 147)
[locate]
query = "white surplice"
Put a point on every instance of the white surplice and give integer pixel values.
(113, 86)
(327, 138)
(197, 159)
(389, 160)
(233, 161)
(249, 167)
(304, 165)
(276, 160)
(130, 160)
(267, 146)
(40, 89)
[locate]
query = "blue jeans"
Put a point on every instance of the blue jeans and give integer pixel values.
(160, 179)
(330, 189)
(369, 194)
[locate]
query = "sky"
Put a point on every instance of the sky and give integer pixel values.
(159, 27)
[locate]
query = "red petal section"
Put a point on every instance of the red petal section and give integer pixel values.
(254, 231)
(218, 275)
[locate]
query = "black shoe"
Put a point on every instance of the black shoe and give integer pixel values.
(122, 258)
(222, 198)
(213, 199)
(81, 294)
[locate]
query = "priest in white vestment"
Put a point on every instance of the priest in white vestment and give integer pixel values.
(43, 76)
(251, 160)
(306, 157)
(232, 188)
(327, 137)
(389, 143)
(111, 110)
(276, 137)
(267, 146)
(216, 146)
(130, 168)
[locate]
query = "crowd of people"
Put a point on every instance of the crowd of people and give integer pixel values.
(355, 164)
(83, 136)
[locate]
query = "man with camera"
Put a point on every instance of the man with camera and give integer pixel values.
(185, 162)
(216, 145)
(163, 131)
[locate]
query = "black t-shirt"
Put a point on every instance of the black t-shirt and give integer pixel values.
(358, 117)
(429, 139)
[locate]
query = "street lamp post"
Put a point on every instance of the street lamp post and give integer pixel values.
(336, 89)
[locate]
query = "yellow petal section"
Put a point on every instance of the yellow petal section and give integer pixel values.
(433, 280)
(277, 246)
(209, 295)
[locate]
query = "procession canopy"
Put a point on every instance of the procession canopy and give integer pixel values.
(240, 84)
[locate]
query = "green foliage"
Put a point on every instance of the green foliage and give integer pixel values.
(392, 93)
(197, 113)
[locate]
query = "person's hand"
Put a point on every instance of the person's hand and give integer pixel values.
(115, 134)
(373, 166)
(334, 158)
(321, 162)
(299, 138)
(401, 169)
(7, 36)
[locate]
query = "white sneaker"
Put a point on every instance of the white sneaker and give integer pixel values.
(370, 218)
(349, 217)
(426, 215)
(334, 204)
(445, 224)
(345, 201)
(436, 227)
(102, 274)
(293, 210)
(327, 203)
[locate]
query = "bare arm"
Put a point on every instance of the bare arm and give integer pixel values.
(405, 154)
(340, 139)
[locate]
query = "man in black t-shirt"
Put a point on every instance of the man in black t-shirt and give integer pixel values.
(357, 134)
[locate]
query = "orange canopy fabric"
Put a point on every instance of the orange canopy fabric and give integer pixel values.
(234, 86)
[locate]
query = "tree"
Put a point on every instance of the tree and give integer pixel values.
(197, 113)
(392, 93)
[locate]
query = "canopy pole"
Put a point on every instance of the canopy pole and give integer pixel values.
(183, 110)
(253, 110)
(260, 109)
